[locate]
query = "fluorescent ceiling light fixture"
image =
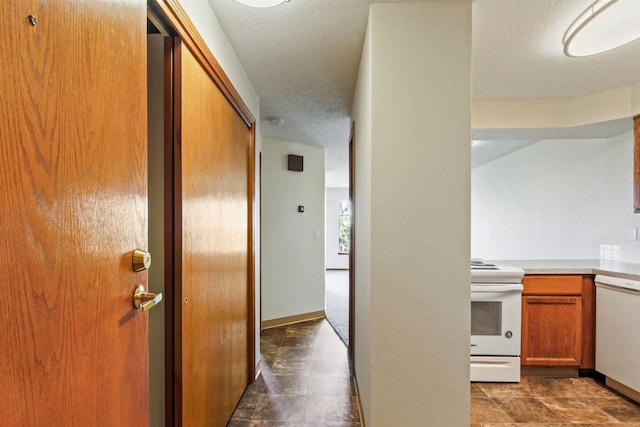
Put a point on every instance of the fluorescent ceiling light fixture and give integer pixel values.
(261, 3)
(605, 25)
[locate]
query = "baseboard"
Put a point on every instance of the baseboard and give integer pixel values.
(358, 401)
(550, 372)
(621, 388)
(282, 321)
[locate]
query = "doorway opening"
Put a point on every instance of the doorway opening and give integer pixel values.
(338, 243)
(340, 255)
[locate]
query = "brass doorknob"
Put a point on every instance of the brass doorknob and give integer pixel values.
(141, 260)
(145, 300)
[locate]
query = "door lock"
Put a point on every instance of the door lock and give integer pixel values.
(141, 260)
(145, 300)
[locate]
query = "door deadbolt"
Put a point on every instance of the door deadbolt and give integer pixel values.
(141, 260)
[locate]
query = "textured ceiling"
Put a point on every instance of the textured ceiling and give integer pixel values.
(303, 58)
(518, 52)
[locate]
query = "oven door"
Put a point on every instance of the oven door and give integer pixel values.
(495, 319)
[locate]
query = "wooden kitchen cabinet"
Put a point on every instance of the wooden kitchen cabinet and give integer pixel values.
(557, 321)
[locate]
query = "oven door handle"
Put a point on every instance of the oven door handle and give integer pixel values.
(507, 287)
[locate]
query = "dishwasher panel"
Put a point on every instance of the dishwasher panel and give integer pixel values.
(617, 325)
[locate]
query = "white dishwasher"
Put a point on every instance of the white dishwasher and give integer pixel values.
(617, 333)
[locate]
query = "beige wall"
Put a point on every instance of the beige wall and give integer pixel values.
(293, 242)
(361, 114)
(611, 104)
(412, 111)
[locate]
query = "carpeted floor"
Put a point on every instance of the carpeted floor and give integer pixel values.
(337, 302)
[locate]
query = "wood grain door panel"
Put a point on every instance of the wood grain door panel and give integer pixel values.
(73, 206)
(213, 307)
(552, 330)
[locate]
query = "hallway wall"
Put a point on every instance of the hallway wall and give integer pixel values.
(293, 242)
(412, 111)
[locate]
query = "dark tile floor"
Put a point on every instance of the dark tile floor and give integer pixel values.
(305, 381)
(538, 402)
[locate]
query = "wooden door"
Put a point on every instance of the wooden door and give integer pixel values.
(212, 224)
(73, 204)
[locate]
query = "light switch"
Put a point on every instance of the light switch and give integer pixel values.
(633, 233)
(300, 208)
(316, 233)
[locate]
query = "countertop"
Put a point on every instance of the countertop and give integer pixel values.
(623, 270)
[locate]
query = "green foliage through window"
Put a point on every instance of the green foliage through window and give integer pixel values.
(344, 239)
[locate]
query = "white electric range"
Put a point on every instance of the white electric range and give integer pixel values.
(496, 301)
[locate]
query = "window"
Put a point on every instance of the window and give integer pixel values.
(344, 236)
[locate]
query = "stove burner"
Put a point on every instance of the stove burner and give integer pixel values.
(483, 272)
(481, 265)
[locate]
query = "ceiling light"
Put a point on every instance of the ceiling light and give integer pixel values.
(605, 25)
(261, 3)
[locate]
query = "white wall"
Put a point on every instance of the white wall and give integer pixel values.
(362, 115)
(207, 24)
(334, 260)
(413, 126)
(293, 242)
(556, 199)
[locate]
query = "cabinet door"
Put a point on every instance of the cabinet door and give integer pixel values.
(551, 330)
